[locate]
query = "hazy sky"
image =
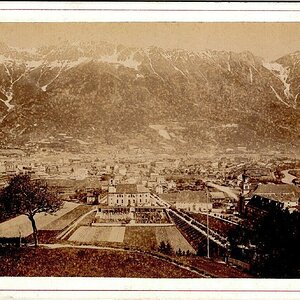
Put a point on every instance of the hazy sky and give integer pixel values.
(268, 40)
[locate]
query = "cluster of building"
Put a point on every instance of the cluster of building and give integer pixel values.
(130, 203)
(268, 196)
(90, 179)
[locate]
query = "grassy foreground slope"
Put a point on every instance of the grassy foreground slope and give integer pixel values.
(85, 262)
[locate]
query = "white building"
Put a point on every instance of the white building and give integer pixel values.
(171, 185)
(189, 200)
(10, 168)
(159, 189)
(122, 170)
(129, 195)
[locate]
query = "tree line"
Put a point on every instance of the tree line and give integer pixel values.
(270, 243)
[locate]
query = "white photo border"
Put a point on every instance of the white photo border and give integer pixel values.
(125, 288)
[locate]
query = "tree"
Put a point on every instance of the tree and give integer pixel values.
(198, 182)
(29, 197)
(162, 247)
(179, 252)
(277, 240)
(165, 248)
(271, 243)
(169, 249)
(80, 195)
(200, 251)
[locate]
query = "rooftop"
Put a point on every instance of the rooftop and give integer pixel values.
(264, 203)
(186, 197)
(130, 189)
(76, 184)
(279, 192)
(277, 188)
(217, 195)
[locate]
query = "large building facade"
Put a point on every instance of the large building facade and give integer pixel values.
(130, 204)
(129, 195)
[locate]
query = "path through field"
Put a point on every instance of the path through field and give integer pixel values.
(68, 218)
(83, 214)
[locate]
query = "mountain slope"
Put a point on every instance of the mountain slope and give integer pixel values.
(176, 99)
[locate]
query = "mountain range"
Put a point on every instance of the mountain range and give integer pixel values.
(164, 99)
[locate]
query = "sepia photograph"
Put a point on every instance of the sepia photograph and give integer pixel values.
(150, 150)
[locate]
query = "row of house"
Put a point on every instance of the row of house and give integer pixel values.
(194, 201)
(270, 196)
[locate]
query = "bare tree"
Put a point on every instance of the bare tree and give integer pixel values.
(29, 197)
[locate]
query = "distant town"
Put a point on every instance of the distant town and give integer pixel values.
(186, 208)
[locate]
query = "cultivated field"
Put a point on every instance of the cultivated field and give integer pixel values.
(88, 219)
(68, 218)
(172, 235)
(142, 237)
(21, 224)
(90, 235)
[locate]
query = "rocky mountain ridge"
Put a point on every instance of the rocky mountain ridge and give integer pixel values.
(155, 98)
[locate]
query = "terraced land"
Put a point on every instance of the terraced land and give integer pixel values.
(172, 235)
(21, 224)
(221, 226)
(143, 237)
(91, 235)
(68, 218)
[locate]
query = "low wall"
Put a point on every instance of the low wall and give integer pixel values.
(241, 264)
(133, 224)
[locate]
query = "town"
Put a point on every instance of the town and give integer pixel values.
(183, 207)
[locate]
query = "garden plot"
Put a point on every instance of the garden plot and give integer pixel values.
(174, 237)
(141, 237)
(22, 226)
(89, 234)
